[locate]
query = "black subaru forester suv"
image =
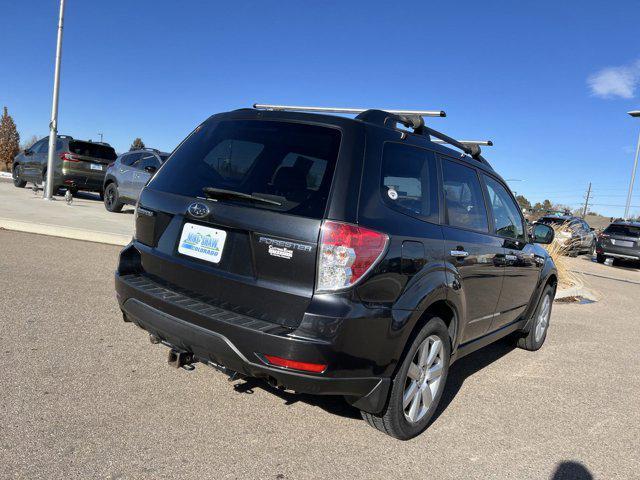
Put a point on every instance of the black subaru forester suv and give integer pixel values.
(330, 255)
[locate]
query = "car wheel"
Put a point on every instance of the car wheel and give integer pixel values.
(536, 336)
(111, 198)
(418, 384)
(593, 249)
(600, 258)
(17, 177)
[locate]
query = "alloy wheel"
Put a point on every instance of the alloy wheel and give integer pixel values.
(542, 322)
(423, 379)
(110, 197)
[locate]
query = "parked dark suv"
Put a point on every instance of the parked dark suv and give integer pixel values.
(128, 175)
(576, 234)
(619, 240)
(330, 255)
(79, 164)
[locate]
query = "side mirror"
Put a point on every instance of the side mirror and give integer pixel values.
(543, 233)
(27, 152)
(592, 229)
(150, 169)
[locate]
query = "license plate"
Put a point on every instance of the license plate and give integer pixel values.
(96, 167)
(205, 243)
(621, 243)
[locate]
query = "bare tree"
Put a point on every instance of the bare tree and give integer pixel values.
(29, 142)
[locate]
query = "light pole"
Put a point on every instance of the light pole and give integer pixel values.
(633, 113)
(53, 126)
(100, 137)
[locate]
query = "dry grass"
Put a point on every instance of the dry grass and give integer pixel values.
(559, 252)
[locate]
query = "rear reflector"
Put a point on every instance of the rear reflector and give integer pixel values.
(304, 366)
(347, 253)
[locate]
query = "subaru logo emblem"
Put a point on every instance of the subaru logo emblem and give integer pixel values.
(198, 210)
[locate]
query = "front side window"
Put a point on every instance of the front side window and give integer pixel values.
(409, 179)
(290, 165)
(506, 214)
(463, 197)
(129, 158)
(40, 147)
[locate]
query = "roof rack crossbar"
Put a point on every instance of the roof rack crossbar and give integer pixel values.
(472, 149)
(487, 143)
(354, 111)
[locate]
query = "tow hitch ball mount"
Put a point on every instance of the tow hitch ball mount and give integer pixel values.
(181, 359)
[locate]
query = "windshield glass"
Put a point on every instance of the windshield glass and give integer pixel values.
(289, 163)
(624, 230)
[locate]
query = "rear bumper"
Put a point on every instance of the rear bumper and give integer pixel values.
(224, 338)
(82, 181)
(618, 252)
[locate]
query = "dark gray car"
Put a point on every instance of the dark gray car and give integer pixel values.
(79, 165)
(619, 240)
(576, 234)
(128, 175)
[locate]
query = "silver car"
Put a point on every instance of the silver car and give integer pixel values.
(127, 176)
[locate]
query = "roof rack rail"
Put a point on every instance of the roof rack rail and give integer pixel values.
(409, 118)
(354, 111)
(487, 143)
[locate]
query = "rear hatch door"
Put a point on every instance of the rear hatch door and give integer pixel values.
(89, 157)
(622, 238)
(234, 215)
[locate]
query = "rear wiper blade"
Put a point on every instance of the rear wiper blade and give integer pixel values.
(213, 192)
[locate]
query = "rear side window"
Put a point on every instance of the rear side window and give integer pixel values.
(94, 150)
(464, 203)
(506, 214)
(409, 180)
(288, 163)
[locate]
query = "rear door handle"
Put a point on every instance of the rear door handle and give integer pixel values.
(459, 253)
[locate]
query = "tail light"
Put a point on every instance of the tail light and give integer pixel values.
(347, 253)
(295, 364)
(69, 157)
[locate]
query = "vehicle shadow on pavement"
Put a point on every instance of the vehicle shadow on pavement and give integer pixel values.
(459, 372)
(467, 366)
(333, 404)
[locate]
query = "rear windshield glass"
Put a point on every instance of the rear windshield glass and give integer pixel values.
(94, 150)
(624, 230)
(286, 163)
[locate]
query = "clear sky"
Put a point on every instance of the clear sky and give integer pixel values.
(548, 81)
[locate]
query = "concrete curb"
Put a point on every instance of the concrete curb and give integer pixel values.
(65, 232)
(562, 293)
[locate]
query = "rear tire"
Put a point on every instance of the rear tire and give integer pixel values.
(111, 199)
(536, 336)
(418, 385)
(17, 177)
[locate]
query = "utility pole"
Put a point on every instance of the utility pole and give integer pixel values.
(636, 114)
(53, 126)
(586, 201)
(100, 137)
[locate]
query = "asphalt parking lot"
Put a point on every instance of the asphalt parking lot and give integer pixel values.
(85, 395)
